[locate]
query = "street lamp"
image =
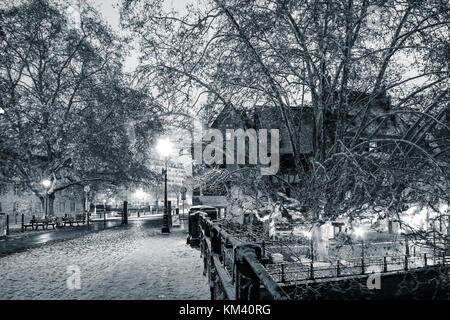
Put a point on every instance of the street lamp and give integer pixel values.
(359, 233)
(308, 235)
(403, 233)
(104, 212)
(46, 183)
(140, 196)
(164, 148)
(86, 202)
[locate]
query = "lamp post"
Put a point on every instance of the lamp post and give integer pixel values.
(164, 147)
(359, 233)
(104, 212)
(139, 195)
(86, 202)
(46, 183)
(308, 236)
(183, 198)
(405, 235)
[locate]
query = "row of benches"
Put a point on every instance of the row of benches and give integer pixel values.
(45, 222)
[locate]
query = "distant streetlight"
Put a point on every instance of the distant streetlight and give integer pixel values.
(86, 202)
(164, 148)
(360, 233)
(104, 211)
(46, 183)
(308, 235)
(139, 194)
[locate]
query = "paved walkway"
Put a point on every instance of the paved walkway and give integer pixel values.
(18, 241)
(123, 262)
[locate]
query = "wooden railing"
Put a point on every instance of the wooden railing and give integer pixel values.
(234, 269)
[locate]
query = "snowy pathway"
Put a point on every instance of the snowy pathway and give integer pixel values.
(135, 262)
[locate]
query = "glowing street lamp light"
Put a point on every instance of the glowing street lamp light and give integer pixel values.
(360, 233)
(46, 183)
(139, 194)
(86, 189)
(165, 147)
(308, 235)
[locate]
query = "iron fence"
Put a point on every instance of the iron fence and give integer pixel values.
(291, 272)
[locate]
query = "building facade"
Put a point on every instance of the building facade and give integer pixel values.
(16, 200)
(361, 108)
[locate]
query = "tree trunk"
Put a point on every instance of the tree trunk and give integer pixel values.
(42, 199)
(51, 202)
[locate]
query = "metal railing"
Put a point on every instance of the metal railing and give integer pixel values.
(234, 269)
(291, 272)
(240, 270)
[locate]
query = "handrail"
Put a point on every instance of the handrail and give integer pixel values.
(293, 271)
(244, 272)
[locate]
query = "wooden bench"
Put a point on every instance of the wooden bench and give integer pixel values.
(79, 218)
(30, 224)
(44, 223)
(36, 223)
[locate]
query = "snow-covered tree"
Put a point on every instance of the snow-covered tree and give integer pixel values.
(69, 113)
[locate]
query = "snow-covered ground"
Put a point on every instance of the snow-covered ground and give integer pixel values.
(135, 262)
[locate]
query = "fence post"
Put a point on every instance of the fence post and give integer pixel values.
(169, 213)
(425, 259)
(7, 224)
(213, 277)
(443, 258)
(338, 270)
(385, 264)
(216, 245)
(23, 223)
(125, 213)
(311, 271)
(283, 280)
(406, 262)
(362, 265)
(247, 282)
